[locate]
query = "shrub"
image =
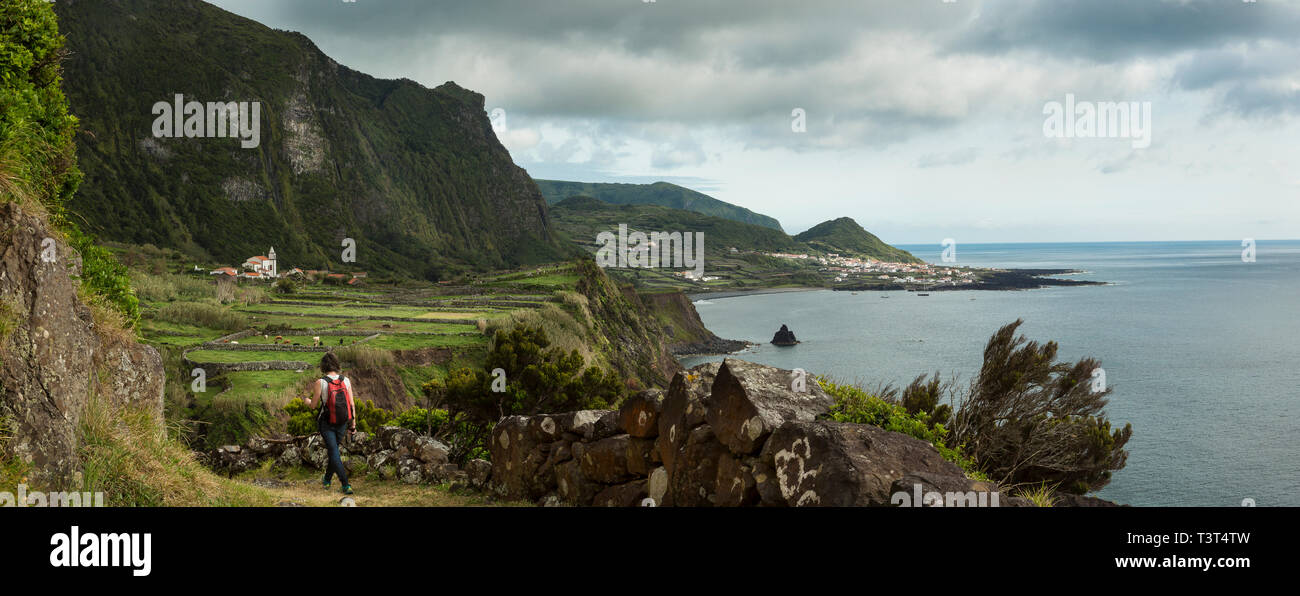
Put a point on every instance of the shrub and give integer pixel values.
(421, 420)
(1030, 419)
(285, 286)
(302, 418)
(103, 276)
(537, 378)
(852, 404)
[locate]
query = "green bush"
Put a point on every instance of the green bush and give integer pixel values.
(852, 404)
(103, 276)
(36, 129)
(302, 418)
(421, 420)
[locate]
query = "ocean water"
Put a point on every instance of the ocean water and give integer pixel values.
(1201, 349)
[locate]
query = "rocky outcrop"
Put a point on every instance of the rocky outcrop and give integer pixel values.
(686, 333)
(730, 434)
(53, 357)
(784, 337)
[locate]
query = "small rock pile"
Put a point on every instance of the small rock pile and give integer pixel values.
(729, 434)
(392, 452)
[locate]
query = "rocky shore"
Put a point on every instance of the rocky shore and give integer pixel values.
(991, 280)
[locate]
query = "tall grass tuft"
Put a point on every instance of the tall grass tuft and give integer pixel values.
(201, 314)
(129, 456)
(363, 356)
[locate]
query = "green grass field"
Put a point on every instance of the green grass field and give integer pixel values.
(232, 356)
(403, 341)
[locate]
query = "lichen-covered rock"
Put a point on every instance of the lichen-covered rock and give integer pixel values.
(605, 461)
(630, 494)
(441, 473)
(397, 438)
(765, 483)
(591, 425)
(516, 461)
(380, 461)
(545, 429)
(52, 355)
(657, 485)
(410, 470)
(364, 443)
(430, 451)
(572, 485)
(289, 458)
(479, 471)
(693, 480)
(641, 456)
(749, 401)
(840, 464)
(735, 483)
(684, 407)
(263, 447)
(315, 454)
(639, 414)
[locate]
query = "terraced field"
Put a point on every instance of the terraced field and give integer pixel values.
(405, 337)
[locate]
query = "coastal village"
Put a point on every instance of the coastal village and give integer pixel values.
(266, 267)
(852, 268)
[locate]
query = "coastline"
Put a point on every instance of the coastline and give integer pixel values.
(754, 292)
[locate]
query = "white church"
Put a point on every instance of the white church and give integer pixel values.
(258, 267)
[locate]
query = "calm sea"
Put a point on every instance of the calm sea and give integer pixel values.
(1202, 351)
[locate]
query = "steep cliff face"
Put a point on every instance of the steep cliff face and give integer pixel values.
(683, 328)
(415, 176)
(52, 356)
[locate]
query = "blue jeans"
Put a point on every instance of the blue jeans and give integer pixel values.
(332, 434)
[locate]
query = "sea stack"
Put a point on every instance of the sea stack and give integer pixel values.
(784, 337)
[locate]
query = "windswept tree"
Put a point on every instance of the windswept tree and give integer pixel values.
(1029, 419)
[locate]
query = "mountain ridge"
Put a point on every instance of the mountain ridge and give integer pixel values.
(415, 176)
(663, 194)
(844, 235)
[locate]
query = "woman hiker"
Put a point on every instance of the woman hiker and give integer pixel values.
(336, 415)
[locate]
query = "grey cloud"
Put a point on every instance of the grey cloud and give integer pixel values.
(1117, 30)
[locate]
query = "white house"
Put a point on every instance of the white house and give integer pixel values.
(262, 266)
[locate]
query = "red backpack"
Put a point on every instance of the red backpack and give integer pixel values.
(337, 401)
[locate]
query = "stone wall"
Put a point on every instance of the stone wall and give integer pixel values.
(392, 452)
(730, 434)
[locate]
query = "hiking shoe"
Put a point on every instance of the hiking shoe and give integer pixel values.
(325, 485)
(347, 489)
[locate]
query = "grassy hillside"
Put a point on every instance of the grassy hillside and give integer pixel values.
(845, 236)
(415, 175)
(582, 218)
(662, 194)
(736, 254)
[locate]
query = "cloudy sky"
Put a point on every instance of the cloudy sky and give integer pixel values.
(921, 119)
